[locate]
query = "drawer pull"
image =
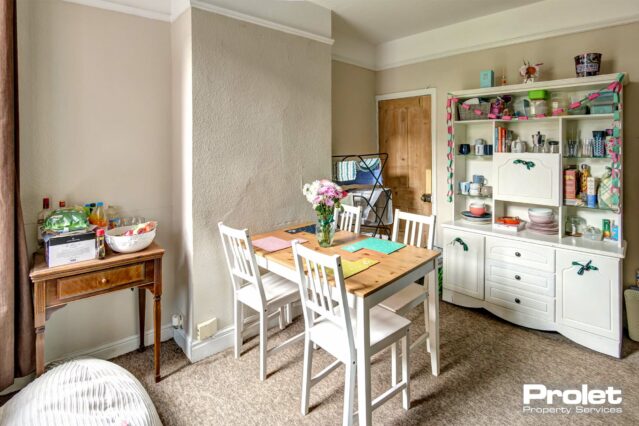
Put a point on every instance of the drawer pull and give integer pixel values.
(584, 268)
(104, 281)
(517, 254)
(517, 277)
(529, 164)
(460, 241)
(517, 300)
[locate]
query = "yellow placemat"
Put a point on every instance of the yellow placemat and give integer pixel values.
(350, 268)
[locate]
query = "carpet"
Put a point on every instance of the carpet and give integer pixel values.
(485, 363)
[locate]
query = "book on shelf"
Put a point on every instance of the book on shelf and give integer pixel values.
(501, 135)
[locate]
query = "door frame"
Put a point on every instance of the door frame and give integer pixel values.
(433, 130)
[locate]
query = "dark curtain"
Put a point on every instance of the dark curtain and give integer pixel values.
(17, 338)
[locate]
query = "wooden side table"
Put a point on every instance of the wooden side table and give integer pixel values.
(54, 287)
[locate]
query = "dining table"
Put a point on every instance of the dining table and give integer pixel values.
(365, 289)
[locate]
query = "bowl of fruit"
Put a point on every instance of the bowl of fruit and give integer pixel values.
(129, 239)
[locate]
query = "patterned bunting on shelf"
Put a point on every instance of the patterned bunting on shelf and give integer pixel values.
(613, 143)
(450, 105)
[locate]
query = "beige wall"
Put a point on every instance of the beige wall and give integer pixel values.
(182, 151)
(261, 128)
(354, 110)
(95, 117)
(619, 48)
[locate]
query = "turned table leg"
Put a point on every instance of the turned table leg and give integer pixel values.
(141, 315)
(39, 317)
(157, 316)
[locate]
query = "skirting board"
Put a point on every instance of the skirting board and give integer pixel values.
(197, 350)
(107, 351)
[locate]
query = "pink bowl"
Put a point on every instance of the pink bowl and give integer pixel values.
(477, 210)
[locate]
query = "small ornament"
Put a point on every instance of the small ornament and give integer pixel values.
(530, 72)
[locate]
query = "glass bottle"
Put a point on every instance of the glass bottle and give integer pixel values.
(100, 247)
(42, 216)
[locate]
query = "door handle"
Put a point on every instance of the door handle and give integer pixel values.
(427, 198)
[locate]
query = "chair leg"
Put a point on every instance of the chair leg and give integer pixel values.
(289, 313)
(349, 393)
(406, 372)
(394, 366)
(281, 319)
(237, 316)
(306, 374)
(426, 323)
(263, 329)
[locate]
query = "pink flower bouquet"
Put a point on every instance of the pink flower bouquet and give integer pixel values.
(325, 196)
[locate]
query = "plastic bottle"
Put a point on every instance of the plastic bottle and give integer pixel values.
(585, 174)
(113, 216)
(98, 216)
(101, 248)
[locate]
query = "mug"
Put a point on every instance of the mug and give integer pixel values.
(480, 179)
(479, 149)
(464, 187)
(464, 149)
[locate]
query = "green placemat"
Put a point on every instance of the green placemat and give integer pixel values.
(375, 244)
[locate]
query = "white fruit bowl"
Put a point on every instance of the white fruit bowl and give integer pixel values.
(121, 243)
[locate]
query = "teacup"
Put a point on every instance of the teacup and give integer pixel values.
(477, 209)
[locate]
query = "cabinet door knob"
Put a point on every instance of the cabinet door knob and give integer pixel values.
(104, 280)
(517, 277)
(517, 254)
(517, 300)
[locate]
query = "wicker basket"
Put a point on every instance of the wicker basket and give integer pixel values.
(471, 114)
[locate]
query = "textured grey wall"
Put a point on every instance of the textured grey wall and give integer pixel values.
(261, 127)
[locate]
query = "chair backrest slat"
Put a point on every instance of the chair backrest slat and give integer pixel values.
(240, 259)
(349, 218)
(322, 285)
(414, 228)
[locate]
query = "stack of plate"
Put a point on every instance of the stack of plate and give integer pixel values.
(543, 221)
(484, 219)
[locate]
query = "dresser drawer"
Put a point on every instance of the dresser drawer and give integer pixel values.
(522, 279)
(518, 253)
(538, 306)
(80, 285)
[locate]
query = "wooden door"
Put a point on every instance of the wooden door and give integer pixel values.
(405, 134)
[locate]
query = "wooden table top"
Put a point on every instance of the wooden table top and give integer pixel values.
(390, 267)
(41, 271)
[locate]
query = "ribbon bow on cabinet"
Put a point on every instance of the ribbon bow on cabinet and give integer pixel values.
(529, 164)
(584, 268)
(460, 241)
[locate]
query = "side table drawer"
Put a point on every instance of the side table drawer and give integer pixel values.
(97, 281)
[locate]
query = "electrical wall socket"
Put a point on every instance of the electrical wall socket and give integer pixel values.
(206, 329)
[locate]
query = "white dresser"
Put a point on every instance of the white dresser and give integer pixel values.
(567, 284)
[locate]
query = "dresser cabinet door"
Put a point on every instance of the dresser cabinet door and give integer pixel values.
(590, 301)
(527, 178)
(464, 263)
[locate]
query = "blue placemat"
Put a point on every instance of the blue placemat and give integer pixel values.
(309, 228)
(375, 244)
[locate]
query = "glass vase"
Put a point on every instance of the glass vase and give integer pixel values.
(325, 231)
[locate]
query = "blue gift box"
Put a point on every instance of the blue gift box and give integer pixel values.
(486, 78)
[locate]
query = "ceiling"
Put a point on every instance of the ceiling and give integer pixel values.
(379, 21)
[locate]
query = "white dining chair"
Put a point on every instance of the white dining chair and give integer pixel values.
(268, 293)
(415, 294)
(349, 218)
(329, 324)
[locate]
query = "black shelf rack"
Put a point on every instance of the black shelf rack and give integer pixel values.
(366, 192)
